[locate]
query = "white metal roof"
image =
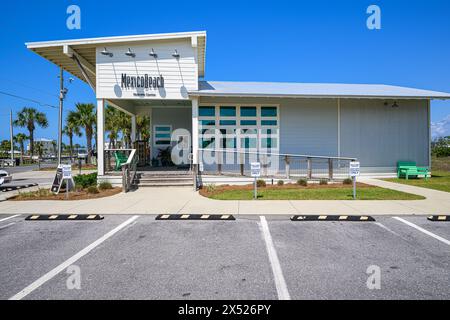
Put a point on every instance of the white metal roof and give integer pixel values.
(312, 90)
(54, 50)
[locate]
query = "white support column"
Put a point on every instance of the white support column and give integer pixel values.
(133, 130)
(100, 137)
(195, 130)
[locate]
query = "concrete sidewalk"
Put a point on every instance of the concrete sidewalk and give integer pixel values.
(185, 200)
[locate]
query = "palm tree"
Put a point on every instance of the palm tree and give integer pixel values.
(112, 125)
(29, 118)
(143, 127)
(85, 117)
(71, 129)
(20, 138)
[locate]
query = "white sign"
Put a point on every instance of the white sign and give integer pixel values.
(201, 167)
(67, 171)
(354, 169)
(255, 168)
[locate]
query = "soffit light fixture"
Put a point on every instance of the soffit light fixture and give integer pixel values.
(176, 54)
(153, 53)
(130, 53)
(105, 52)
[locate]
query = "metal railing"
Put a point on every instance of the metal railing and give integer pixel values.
(127, 170)
(273, 165)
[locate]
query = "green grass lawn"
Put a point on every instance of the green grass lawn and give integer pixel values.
(440, 179)
(345, 193)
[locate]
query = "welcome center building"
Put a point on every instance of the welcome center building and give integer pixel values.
(160, 76)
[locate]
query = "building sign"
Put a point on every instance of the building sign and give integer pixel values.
(145, 82)
(354, 169)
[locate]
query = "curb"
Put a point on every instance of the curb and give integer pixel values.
(438, 218)
(333, 218)
(63, 217)
(225, 217)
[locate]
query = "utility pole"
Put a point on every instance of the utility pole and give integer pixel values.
(62, 93)
(12, 135)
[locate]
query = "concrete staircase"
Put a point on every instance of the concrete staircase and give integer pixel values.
(164, 179)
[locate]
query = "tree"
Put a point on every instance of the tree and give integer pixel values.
(39, 147)
(29, 118)
(5, 147)
(20, 138)
(143, 127)
(112, 125)
(85, 117)
(71, 129)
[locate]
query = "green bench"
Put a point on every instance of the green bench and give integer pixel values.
(120, 160)
(408, 169)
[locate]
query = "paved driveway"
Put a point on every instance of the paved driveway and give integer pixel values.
(254, 257)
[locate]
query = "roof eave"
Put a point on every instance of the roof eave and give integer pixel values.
(255, 95)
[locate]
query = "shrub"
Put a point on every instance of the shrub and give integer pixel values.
(280, 182)
(347, 181)
(86, 180)
(260, 183)
(211, 188)
(302, 182)
(105, 185)
(323, 182)
(92, 190)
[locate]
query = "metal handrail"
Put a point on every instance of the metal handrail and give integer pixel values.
(129, 170)
(277, 154)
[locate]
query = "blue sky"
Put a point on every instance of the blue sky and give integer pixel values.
(295, 41)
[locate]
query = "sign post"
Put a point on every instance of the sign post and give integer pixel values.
(354, 171)
(67, 177)
(255, 168)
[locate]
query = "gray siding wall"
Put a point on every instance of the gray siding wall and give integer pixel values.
(380, 135)
(179, 118)
(376, 134)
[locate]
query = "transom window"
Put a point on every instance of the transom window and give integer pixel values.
(162, 135)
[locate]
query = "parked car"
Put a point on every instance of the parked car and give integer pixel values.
(5, 177)
(82, 153)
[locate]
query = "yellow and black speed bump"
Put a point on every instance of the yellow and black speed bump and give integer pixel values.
(223, 217)
(63, 217)
(332, 218)
(439, 218)
(12, 188)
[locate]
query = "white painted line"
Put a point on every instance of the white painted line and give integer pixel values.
(280, 283)
(423, 230)
(386, 228)
(52, 273)
(7, 218)
(7, 225)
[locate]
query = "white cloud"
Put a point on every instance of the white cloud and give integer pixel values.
(441, 128)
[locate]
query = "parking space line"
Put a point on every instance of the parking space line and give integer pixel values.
(280, 283)
(7, 225)
(423, 230)
(52, 273)
(7, 218)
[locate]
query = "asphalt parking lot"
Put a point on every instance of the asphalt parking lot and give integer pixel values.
(138, 257)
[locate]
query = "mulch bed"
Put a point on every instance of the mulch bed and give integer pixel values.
(75, 195)
(222, 188)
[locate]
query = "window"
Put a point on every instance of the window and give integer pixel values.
(248, 122)
(207, 111)
(248, 111)
(268, 112)
(228, 111)
(228, 138)
(268, 122)
(161, 135)
(207, 122)
(227, 122)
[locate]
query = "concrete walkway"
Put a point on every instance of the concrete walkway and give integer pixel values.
(184, 200)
